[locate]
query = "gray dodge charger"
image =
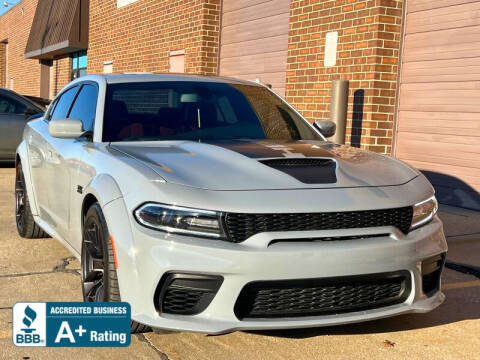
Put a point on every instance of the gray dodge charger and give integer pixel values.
(210, 204)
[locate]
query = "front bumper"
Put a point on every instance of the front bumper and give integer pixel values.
(153, 253)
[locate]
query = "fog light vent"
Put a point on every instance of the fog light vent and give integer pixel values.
(431, 272)
(186, 294)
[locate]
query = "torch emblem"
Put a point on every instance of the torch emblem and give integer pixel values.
(29, 318)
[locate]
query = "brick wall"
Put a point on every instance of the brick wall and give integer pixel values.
(368, 49)
(60, 74)
(3, 49)
(140, 36)
(15, 28)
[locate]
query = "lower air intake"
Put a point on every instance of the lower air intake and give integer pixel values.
(186, 294)
(322, 296)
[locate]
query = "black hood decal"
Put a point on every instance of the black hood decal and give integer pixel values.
(256, 165)
(263, 149)
(310, 164)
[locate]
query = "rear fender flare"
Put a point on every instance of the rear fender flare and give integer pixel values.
(22, 157)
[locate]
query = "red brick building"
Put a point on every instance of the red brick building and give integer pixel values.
(412, 65)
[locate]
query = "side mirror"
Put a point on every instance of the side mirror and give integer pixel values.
(66, 128)
(327, 128)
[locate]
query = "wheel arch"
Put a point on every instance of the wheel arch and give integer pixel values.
(88, 201)
(105, 190)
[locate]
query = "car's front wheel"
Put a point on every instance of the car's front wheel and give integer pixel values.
(99, 276)
(26, 225)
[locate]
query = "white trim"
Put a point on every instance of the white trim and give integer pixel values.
(177, 52)
(331, 44)
(122, 3)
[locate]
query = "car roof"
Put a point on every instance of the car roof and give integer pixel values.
(24, 98)
(150, 77)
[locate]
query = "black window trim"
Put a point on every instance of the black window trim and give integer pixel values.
(80, 85)
(51, 109)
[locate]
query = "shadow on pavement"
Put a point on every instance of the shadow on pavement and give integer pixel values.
(451, 190)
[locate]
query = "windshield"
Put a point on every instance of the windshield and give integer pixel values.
(183, 110)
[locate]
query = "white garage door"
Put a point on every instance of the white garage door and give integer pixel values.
(439, 108)
(254, 40)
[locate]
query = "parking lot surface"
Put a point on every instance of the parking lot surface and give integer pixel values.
(43, 270)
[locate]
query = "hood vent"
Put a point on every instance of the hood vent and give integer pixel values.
(306, 170)
(297, 162)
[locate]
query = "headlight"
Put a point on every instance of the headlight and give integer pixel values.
(424, 211)
(175, 219)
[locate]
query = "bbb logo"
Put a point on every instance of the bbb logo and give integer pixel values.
(29, 324)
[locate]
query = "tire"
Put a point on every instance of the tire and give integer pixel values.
(99, 276)
(26, 225)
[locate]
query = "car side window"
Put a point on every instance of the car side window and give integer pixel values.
(85, 106)
(63, 104)
(11, 106)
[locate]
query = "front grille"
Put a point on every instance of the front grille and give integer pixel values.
(323, 296)
(240, 227)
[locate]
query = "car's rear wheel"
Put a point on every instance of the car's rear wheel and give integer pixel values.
(99, 276)
(26, 225)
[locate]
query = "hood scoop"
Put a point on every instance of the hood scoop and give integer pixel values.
(306, 170)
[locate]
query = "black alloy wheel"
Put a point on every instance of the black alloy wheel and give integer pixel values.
(20, 201)
(26, 225)
(93, 260)
(99, 274)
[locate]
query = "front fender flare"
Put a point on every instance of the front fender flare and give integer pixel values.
(104, 188)
(108, 193)
(119, 226)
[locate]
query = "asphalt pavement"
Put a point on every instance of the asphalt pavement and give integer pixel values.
(43, 270)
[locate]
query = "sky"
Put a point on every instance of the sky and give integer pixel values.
(3, 9)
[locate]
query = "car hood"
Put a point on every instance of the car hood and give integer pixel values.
(266, 164)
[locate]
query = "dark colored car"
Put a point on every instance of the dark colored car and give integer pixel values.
(15, 112)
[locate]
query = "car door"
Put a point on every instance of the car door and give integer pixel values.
(68, 154)
(12, 121)
(49, 171)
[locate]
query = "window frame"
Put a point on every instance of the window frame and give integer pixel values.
(53, 106)
(80, 87)
(309, 126)
(75, 69)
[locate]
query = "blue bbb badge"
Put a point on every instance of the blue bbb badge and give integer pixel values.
(71, 324)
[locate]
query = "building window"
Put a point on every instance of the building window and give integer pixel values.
(79, 64)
